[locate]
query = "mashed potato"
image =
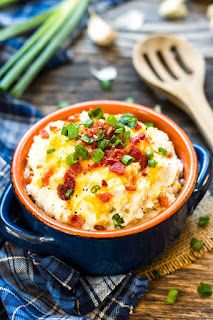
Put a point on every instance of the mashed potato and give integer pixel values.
(97, 171)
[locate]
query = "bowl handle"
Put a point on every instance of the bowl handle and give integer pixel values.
(15, 233)
(204, 176)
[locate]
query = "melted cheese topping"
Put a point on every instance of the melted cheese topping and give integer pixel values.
(132, 206)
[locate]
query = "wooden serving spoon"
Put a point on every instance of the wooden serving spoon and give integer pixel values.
(173, 67)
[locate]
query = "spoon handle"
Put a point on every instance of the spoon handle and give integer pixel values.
(198, 108)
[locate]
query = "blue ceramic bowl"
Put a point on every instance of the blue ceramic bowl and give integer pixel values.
(108, 253)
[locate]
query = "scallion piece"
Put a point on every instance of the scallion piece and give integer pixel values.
(95, 188)
(149, 154)
(203, 221)
(86, 139)
(120, 130)
(72, 158)
(97, 155)
(88, 123)
(100, 135)
(62, 104)
(73, 130)
(172, 296)
(69, 193)
(50, 150)
(82, 151)
(130, 99)
(115, 141)
(103, 144)
(163, 151)
(96, 113)
(118, 220)
(152, 163)
(204, 290)
(149, 124)
(196, 244)
(127, 159)
(112, 120)
(126, 137)
(106, 84)
(128, 119)
(64, 131)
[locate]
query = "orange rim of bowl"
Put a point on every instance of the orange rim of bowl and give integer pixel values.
(18, 180)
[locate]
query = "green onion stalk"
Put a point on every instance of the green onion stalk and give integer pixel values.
(25, 26)
(4, 3)
(43, 37)
(73, 14)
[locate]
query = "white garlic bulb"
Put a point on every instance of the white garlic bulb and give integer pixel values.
(100, 32)
(173, 9)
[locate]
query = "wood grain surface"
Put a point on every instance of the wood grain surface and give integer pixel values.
(74, 83)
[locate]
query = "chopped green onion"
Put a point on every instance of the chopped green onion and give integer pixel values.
(88, 123)
(204, 290)
(128, 119)
(64, 131)
(130, 99)
(112, 120)
(126, 136)
(63, 104)
(115, 141)
(127, 159)
(96, 113)
(68, 193)
(72, 158)
(120, 130)
(196, 244)
(118, 220)
(203, 221)
(172, 296)
(156, 274)
(95, 188)
(152, 163)
(163, 151)
(82, 151)
(150, 155)
(50, 150)
(149, 124)
(100, 135)
(106, 84)
(73, 130)
(97, 155)
(86, 139)
(103, 144)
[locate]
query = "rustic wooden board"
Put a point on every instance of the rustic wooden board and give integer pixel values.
(73, 83)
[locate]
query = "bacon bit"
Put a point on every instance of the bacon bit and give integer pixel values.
(163, 200)
(98, 227)
(109, 132)
(135, 153)
(104, 183)
(130, 188)
(143, 161)
(104, 197)
(76, 221)
(46, 178)
(93, 166)
(61, 190)
(169, 155)
(53, 129)
(44, 134)
(117, 167)
(138, 138)
(74, 170)
(113, 156)
(69, 181)
(28, 179)
(138, 126)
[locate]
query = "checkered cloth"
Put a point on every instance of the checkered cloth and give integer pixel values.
(32, 287)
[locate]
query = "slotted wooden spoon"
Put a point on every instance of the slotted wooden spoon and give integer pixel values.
(173, 67)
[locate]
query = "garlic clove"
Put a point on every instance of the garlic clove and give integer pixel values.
(209, 12)
(173, 9)
(100, 32)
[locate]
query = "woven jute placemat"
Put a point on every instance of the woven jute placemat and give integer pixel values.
(181, 253)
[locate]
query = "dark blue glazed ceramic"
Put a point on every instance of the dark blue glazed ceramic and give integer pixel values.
(101, 256)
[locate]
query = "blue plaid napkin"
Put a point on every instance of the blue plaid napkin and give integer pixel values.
(32, 287)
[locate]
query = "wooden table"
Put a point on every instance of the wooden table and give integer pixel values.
(74, 83)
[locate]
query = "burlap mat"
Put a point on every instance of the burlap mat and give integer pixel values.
(181, 253)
